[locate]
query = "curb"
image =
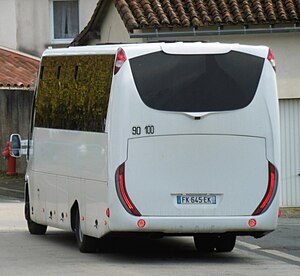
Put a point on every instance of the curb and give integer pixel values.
(11, 193)
(290, 212)
(12, 187)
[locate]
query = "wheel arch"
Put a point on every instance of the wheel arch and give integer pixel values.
(26, 200)
(73, 210)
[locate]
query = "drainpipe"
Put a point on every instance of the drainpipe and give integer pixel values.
(220, 31)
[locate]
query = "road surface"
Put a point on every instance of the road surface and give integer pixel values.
(56, 253)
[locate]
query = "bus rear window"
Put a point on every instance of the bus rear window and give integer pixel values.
(197, 83)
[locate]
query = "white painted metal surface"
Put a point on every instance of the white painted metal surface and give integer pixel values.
(209, 164)
(233, 147)
(290, 152)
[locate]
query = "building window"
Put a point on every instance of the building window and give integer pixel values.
(65, 20)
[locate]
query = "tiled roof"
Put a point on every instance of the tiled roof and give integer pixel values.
(149, 14)
(141, 14)
(17, 69)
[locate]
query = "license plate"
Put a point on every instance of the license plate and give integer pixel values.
(196, 199)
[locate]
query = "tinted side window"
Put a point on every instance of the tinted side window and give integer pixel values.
(73, 92)
(197, 83)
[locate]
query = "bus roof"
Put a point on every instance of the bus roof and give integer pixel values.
(168, 47)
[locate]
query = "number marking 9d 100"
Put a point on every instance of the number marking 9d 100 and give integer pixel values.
(149, 129)
(137, 130)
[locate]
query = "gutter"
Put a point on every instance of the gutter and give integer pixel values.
(220, 31)
(15, 88)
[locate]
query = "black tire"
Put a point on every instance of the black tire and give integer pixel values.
(33, 227)
(85, 243)
(225, 243)
(205, 244)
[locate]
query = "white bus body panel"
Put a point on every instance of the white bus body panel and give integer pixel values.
(160, 168)
(224, 153)
(69, 166)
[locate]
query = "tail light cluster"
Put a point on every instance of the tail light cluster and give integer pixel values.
(271, 58)
(120, 59)
(122, 192)
(270, 193)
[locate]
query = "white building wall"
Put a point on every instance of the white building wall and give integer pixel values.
(86, 9)
(8, 26)
(25, 25)
(33, 26)
(290, 152)
(113, 29)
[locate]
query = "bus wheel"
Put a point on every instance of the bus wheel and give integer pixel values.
(33, 227)
(85, 243)
(205, 244)
(225, 243)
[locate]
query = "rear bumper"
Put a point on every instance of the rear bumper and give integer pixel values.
(196, 225)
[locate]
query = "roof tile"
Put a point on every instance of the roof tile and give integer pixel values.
(199, 13)
(149, 14)
(17, 69)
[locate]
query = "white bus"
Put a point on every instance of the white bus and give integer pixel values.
(159, 138)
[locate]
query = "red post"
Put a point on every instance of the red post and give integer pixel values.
(11, 161)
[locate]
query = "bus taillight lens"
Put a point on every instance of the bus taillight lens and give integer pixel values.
(271, 58)
(122, 192)
(270, 193)
(120, 59)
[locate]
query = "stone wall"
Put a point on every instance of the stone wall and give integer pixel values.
(15, 109)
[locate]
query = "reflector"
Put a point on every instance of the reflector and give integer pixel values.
(141, 223)
(252, 222)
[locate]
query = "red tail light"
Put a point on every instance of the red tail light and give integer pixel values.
(122, 193)
(120, 59)
(271, 58)
(271, 191)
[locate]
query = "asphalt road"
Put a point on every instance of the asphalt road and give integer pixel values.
(283, 243)
(56, 253)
